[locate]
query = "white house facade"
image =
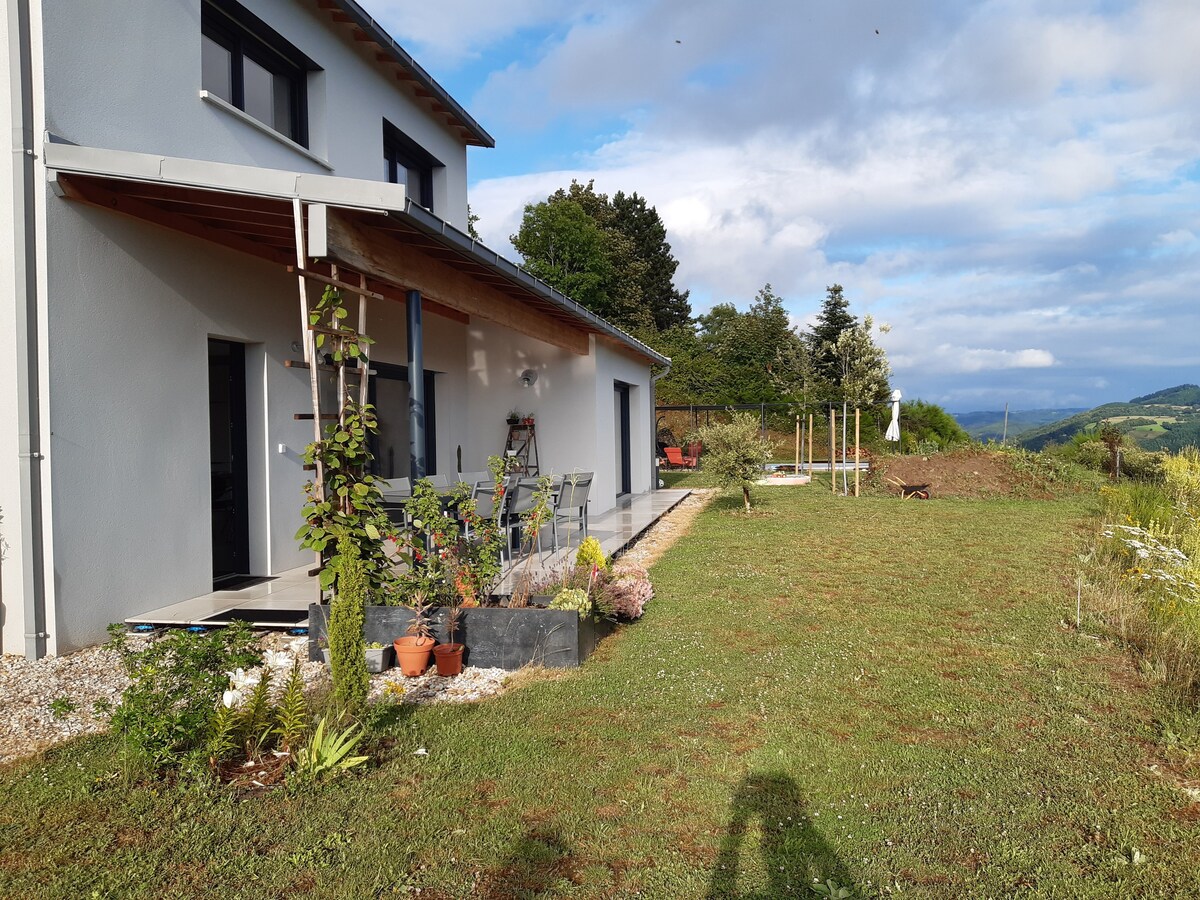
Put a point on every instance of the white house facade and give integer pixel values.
(171, 159)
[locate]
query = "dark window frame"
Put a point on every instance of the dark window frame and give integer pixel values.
(399, 150)
(245, 36)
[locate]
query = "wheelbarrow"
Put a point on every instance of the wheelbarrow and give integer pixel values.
(918, 491)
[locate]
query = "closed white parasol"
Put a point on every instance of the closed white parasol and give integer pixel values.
(893, 429)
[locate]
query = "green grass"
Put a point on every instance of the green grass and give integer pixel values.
(871, 691)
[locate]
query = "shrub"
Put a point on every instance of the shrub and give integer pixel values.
(630, 590)
(168, 710)
(590, 555)
(735, 453)
(573, 598)
(347, 653)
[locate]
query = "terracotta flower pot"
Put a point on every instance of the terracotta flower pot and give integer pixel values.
(448, 658)
(412, 655)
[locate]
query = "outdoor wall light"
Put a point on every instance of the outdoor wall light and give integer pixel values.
(528, 378)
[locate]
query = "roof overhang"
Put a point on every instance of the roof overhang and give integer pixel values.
(368, 227)
(365, 30)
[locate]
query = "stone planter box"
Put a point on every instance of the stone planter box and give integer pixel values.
(493, 636)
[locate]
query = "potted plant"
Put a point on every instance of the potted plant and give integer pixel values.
(412, 650)
(528, 420)
(449, 656)
(513, 418)
(379, 657)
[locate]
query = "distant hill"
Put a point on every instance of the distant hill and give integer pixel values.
(989, 425)
(1165, 420)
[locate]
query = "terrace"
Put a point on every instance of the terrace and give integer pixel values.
(282, 601)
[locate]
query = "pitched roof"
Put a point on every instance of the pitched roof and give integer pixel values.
(347, 14)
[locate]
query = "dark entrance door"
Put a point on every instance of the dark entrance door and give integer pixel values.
(228, 461)
(621, 428)
(389, 396)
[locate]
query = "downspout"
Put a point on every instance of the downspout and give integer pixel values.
(654, 380)
(20, 55)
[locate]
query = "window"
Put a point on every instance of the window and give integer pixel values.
(247, 64)
(406, 163)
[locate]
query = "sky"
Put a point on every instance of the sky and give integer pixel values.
(1012, 185)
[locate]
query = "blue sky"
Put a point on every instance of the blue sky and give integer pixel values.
(1012, 185)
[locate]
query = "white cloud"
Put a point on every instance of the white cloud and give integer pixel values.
(1009, 174)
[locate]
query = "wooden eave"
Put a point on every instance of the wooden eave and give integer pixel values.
(394, 255)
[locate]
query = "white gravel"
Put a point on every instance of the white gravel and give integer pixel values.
(29, 724)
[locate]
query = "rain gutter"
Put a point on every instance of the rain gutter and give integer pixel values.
(20, 57)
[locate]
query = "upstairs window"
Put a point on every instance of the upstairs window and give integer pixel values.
(407, 163)
(249, 65)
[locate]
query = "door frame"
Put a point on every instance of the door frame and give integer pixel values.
(400, 373)
(624, 461)
(239, 428)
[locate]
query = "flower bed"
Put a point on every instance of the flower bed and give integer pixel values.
(496, 637)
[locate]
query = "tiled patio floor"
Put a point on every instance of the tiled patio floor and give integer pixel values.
(282, 601)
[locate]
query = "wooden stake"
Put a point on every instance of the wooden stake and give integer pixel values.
(797, 469)
(856, 449)
(810, 459)
(832, 448)
(364, 358)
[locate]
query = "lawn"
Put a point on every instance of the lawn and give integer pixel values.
(877, 692)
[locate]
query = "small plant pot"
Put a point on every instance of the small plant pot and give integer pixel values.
(448, 658)
(412, 655)
(325, 653)
(380, 659)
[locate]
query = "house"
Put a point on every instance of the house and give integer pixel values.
(176, 164)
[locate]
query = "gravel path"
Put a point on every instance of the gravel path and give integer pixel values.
(57, 698)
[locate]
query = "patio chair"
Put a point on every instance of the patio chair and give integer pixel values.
(520, 501)
(694, 449)
(441, 482)
(473, 478)
(395, 500)
(677, 460)
(486, 506)
(572, 501)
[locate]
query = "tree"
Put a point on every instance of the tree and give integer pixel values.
(862, 365)
(563, 246)
(832, 320)
(929, 422)
(735, 453)
(640, 223)
(610, 256)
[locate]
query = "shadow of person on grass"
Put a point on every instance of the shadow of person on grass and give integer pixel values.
(791, 851)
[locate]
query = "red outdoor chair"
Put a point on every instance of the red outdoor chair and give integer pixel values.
(676, 458)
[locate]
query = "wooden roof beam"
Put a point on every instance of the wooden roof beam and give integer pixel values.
(367, 249)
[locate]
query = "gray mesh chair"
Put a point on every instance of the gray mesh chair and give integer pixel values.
(395, 500)
(487, 506)
(571, 503)
(520, 501)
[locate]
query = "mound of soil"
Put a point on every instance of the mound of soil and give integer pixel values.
(964, 473)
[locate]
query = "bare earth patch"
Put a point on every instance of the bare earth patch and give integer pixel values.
(966, 474)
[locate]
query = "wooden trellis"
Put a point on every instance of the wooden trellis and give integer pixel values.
(341, 335)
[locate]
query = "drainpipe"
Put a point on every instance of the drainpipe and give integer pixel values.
(416, 388)
(654, 380)
(33, 588)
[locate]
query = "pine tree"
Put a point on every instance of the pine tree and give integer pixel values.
(833, 319)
